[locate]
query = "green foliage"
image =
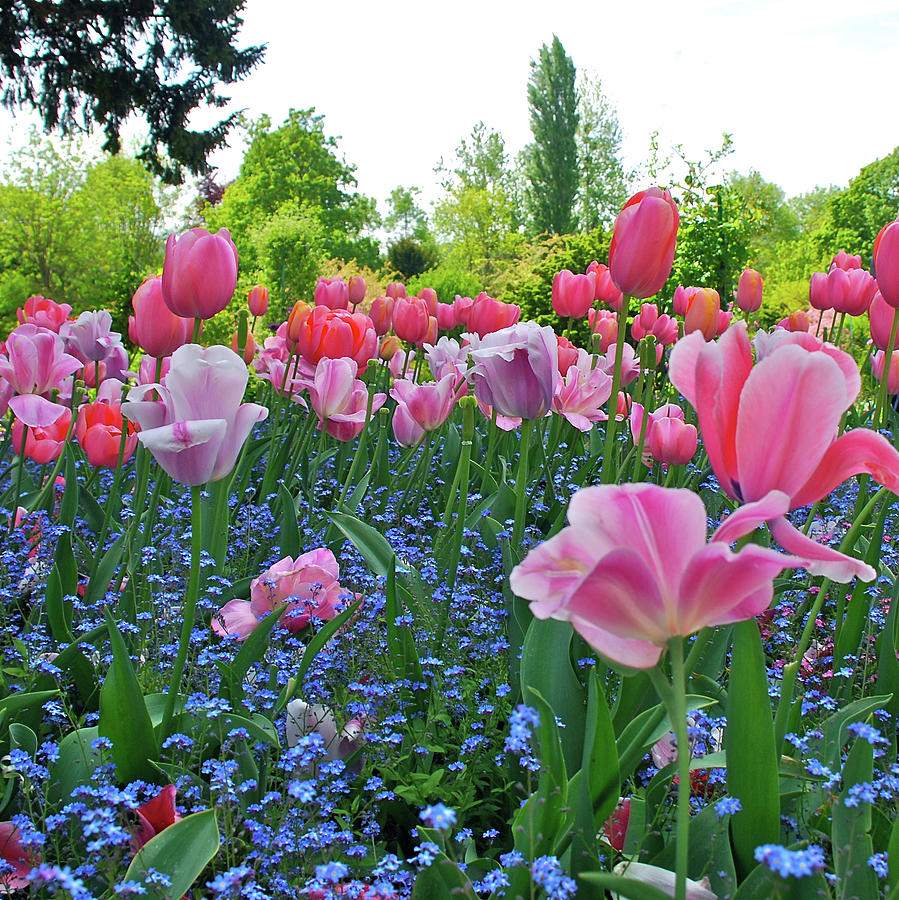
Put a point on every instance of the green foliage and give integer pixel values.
(409, 258)
(81, 64)
(531, 286)
(448, 279)
(552, 160)
(406, 217)
(604, 183)
(80, 230)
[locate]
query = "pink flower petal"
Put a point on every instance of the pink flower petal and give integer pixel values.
(35, 411)
(235, 619)
(635, 654)
(821, 560)
(745, 519)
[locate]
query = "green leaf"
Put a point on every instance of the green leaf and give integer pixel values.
(180, 851)
(99, 584)
(751, 756)
(76, 763)
(289, 532)
(624, 887)
(62, 582)
(123, 714)
(851, 831)
(893, 853)
(763, 884)
(15, 702)
(834, 728)
(546, 667)
(21, 737)
(375, 550)
(93, 512)
(69, 505)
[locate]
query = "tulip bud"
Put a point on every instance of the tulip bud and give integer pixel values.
(244, 347)
(749, 291)
(429, 295)
(257, 300)
(389, 346)
(296, 318)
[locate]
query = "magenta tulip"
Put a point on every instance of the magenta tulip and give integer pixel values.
(572, 295)
(196, 431)
(154, 327)
(199, 273)
(643, 239)
(843, 260)
(633, 569)
(877, 364)
(880, 321)
(333, 293)
(516, 370)
(799, 390)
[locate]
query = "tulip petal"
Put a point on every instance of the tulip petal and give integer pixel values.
(719, 586)
(856, 451)
(775, 401)
(635, 654)
(35, 411)
(821, 560)
(186, 450)
(235, 619)
(745, 519)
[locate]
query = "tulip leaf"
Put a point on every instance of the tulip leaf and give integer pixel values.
(99, 584)
(15, 702)
(751, 756)
(763, 884)
(77, 760)
(375, 550)
(69, 505)
(289, 531)
(851, 831)
(180, 851)
(251, 651)
(624, 887)
(123, 714)
(62, 582)
(21, 737)
(835, 727)
(546, 667)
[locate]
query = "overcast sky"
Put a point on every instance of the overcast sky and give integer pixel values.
(807, 89)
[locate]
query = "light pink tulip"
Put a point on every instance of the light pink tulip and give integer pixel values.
(799, 392)
(877, 362)
(406, 430)
(197, 428)
(446, 357)
(305, 718)
(428, 405)
(667, 438)
(516, 369)
(880, 321)
(307, 586)
(582, 395)
(154, 327)
(630, 363)
(665, 880)
(332, 386)
(633, 569)
(199, 273)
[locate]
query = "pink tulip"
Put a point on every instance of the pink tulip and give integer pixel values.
(799, 391)
(572, 295)
(44, 313)
(198, 427)
(630, 363)
(429, 295)
(667, 438)
(568, 354)
(749, 291)
(334, 333)
(681, 299)
(381, 314)
(332, 387)
(257, 300)
(845, 291)
(333, 293)
(388, 347)
(307, 586)
(702, 313)
(462, 308)
(488, 315)
(582, 394)
(795, 321)
(411, 319)
(605, 290)
(886, 263)
(431, 334)
(446, 316)
(395, 289)
(877, 363)
(43, 443)
(516, 369)
(146, 371)
(448, 357)
(19, 859)
(199, 273)
(154, 327)
(844, 261)
(357, 289)
(99, 431)
(347, 423)
(430, 404)
(633, 569)
(725, 317)
(643, 239)
(604, 324)
(880, 321)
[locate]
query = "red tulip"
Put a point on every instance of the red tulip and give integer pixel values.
(156, 815)
(99, 432)
(257, 300)
(20, 860)
(337, 332)
(643, 239)
(199, 273)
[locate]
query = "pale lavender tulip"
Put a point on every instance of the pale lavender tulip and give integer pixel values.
(633, 569)
(197, 428)
(332, 386)
(90, 337)
(664, 880)
(516, 369)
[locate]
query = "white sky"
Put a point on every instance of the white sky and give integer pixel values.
(807, 88)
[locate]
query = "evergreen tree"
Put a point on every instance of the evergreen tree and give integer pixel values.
(552, 160)
(82, 63)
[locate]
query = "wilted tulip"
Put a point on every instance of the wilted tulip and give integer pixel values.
(154, 327)
(199, 273)
(749, 291)
(643, 239)
(257, 300)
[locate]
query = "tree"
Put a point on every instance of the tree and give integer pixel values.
(480, 209)
(604, 183)
(293, 176)
(552, 160)
(82, 63)
(410, 258)
(406, 217)
(80, 230)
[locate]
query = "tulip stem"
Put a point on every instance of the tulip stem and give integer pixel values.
(521, 481)
(190, 609)
(111, 499)
(19, 474)
(607, 475)
(881, 412)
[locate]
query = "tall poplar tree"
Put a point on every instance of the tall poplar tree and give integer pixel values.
(552, 159)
